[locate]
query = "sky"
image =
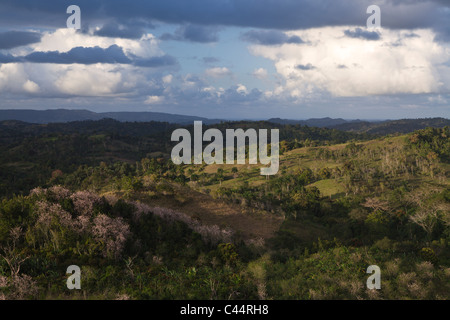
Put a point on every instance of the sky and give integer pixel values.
(229, 59)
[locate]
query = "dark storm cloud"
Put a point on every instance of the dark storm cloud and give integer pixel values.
(411, 35)
(91, 55)
(13, 39)
(263, 14)
(269, 37)
(193, 33)
(308, 66)
(8, 58)
(266, 14)
(280, 14)
(82, 55)
(162, 61)
(362, 34)
(443, 33)
(114, 30)
(128, 30)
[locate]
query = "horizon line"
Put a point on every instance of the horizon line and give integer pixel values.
(231, 119)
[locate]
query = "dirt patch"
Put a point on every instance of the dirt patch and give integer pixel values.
(250, 223)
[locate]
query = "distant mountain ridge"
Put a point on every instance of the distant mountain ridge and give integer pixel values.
(314, 122)
(380, 127)
(392, 126)
(65, 115)
(372, 127)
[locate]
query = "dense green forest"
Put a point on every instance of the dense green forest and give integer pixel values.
(105, 196)
(31, 153)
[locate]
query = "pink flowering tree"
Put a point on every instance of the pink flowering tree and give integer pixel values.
(113, 233)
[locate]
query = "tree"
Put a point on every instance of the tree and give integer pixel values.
(194, 177)
(376, 204)
(429, 210)
(11, 254)
(220, 176)
(426, 220)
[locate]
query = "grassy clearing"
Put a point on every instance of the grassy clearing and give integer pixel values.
(329, 188)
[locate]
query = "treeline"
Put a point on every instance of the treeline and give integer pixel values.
(30, 153)
(296, 135)
(401, 126)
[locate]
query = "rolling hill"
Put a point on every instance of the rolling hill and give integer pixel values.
(65, 115)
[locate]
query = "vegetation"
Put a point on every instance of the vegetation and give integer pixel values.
(105, 196)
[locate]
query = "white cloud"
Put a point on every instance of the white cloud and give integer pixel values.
(63, 40)
(343, 66)
(260, 73)
(241, 89)
(74, 80)
(154, 99)
(14, 79)
(97, 80)
(47, 79)
(167, 79)
(30, 86)
(218, 72)
(209, 89)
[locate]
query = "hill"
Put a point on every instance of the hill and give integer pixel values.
(392, 126)
(101, 195)
(65, 115)
(319, 122)
(358, 126)
(371, 127)
(29, 153)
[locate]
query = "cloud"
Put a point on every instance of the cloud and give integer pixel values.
(8, 58)
(270, 37)
(260, 73)
(154, 100)
(30, 86)
(167, 79)
(411, 35)
(308, 66)
(82, 55)
(67, 63)
(13, 39)
(64, 39)
(61, 80)
(443, 33)
(241, 89)
(115, 29)
(92, 55)
(14, 79)
(321, 51)
(155, 62)
(240, 94)
(362, 34)
(193, 33)
(202, 34)
(269, 14)
(89, 81)
(349, 67)
(218, 72)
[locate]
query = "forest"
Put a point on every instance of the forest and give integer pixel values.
(104, 195)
